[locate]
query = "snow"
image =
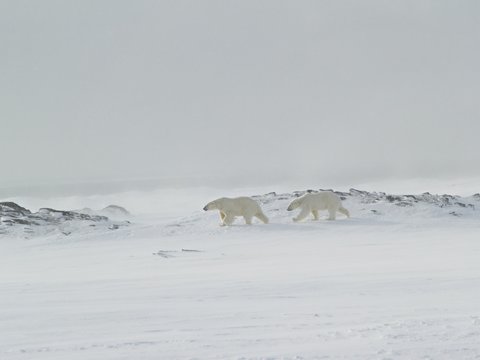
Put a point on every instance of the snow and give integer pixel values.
(400, 282)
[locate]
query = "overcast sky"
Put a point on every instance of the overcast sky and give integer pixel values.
(254, 90)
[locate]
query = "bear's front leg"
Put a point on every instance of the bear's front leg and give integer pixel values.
(228, 220)
(303, 214)
(222, 216)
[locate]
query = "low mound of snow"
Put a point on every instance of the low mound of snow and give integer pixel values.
(111, 211)
(115, 212)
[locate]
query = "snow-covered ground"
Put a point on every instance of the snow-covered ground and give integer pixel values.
(391, 282)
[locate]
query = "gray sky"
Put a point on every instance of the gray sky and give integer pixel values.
(254, 90)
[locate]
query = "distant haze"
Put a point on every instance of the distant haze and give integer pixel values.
(255, 91)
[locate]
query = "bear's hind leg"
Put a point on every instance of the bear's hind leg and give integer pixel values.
(344, 211)
(260, 215)
(303, 214)
(315, 214)
(248, 219)
(331, 214)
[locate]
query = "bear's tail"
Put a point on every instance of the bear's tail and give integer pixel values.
(344, 211)
(262, 217)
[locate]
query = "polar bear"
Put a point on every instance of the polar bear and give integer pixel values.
(241, 206)
(311, 203)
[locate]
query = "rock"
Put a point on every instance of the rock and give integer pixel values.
(392, 198)
(11, 206)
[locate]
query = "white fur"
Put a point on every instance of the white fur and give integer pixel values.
(231, 207)
(312, 203)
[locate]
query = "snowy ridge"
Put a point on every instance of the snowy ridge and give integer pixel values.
(363, 205)
(18, 221)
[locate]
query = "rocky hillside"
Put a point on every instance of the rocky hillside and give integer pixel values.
(16, 220)
(364, 202)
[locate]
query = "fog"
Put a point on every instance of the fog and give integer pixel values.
(243, 92)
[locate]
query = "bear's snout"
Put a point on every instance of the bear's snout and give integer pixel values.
(289, 208)
(205, 208)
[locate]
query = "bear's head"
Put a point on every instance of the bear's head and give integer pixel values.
(212, 205)
(294, 204)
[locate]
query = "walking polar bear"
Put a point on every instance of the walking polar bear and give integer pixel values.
(312, 203)
(241, 206)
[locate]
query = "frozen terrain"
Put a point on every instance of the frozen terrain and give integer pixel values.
(400, 279)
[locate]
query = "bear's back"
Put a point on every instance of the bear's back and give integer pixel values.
(323, 197)
(240, 204)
